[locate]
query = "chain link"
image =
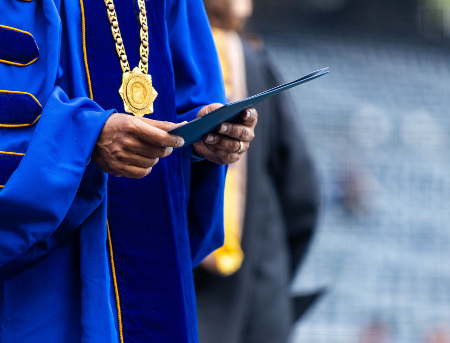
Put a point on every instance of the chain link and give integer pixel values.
(120, 48)
(143, 63)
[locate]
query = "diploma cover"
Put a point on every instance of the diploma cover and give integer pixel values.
(193, 131)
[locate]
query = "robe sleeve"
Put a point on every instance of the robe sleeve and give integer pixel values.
(53, 190)
(198, 82)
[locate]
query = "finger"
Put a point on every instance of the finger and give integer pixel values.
(156, 136)
(249, 116)
(138, 161)
(148, 150)
(226, 143)
(219, 156)
(238, 131)
(162, 125)
(227, 157)
(131, 144)
(208, 109)
(132, 172)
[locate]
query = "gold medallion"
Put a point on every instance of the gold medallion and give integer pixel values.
(137, 93)
(136, 90)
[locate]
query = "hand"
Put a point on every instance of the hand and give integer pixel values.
(129, 146)
(223, 146)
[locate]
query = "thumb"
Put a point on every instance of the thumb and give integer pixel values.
(207, 109)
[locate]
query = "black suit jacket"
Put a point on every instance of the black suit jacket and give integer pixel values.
(254, 305)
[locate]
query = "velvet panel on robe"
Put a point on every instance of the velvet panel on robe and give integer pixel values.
(154, 250)
(54, 270)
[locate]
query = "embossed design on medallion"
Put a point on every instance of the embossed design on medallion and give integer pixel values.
(137, 92)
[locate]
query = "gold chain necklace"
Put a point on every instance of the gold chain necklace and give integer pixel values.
(136, 91)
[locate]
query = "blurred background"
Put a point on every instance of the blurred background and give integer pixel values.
(378, 127)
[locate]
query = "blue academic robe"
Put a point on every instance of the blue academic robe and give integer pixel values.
(65, 275)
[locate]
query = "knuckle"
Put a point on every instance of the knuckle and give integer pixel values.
(130, 125)
(112, 155)
(235, 145)
(217, 139)
(169, 142)
(229, 156)
(212, 148)
(245, 133)
(219, 153)
(172, 141)
(120, 156)
(127, 141)
(160, 140)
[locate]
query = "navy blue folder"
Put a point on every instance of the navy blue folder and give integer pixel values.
(193, 131)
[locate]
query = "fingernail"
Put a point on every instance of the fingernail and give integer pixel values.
(248, 114)
(223, 128)
(181, 142)
(209, 138)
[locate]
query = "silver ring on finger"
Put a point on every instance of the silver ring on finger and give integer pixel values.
(241, 145)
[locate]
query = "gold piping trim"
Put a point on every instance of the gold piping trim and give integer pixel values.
(83, 24)
(116, 289)
(113, 267)
(1, 186)
(20, 125)
(14, 29)
(15, 92)
(16, 63)
(11, 153)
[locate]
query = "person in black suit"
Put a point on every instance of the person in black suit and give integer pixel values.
(281, 200)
